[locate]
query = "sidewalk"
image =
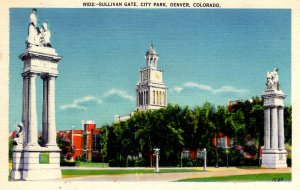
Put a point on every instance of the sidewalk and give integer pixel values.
(167, 177)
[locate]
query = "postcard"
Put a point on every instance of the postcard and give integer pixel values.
(149, 94)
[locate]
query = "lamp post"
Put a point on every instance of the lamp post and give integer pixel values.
(227, 152)
(204, 158)
(156, 153)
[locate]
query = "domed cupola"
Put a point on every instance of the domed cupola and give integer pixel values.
(151, 57)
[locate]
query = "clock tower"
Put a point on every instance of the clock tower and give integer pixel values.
(151, 92)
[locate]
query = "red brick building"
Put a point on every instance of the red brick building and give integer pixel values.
(86, 142)
(222, 140)
(192, 154)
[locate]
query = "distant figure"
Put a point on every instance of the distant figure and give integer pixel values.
(18, 140)
(45, 35)
(33, 30)
(272, 80)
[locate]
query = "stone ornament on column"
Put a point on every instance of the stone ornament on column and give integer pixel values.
(273, 153)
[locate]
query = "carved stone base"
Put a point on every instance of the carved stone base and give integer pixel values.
(17, 163)
(274, 158)
(41, 164)
(36, 163)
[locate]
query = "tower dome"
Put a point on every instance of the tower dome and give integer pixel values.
(151, 57)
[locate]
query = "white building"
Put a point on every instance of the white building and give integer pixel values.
(151, 92)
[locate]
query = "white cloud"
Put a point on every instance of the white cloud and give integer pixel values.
(82, 103)
(199, 86)
(178, 88)
(122, 93)
(223, 89)
(230, 89)
(77, 104)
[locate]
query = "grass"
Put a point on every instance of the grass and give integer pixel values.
(249, 177)
(92, 164)
(77, 173)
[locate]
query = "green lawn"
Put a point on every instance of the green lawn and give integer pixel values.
(76, 173)
(92, 164)
(250, 177)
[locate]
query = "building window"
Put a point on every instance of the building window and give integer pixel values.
(147, 98)
(154, 97)
(84, 141)
(185, 154)
(96, 142)
(200, 154)
(160, 98)
(157, 97)
(140, 98)
(222, 142)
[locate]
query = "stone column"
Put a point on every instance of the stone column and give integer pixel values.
(267, 128)
(166, 97)
(45, 110)
(281, 128)
(32, 123)
(274, 130)
(137, 98)
(157, 98)
(51, 112)
(144, 97)
(25, 107)
(143, 94)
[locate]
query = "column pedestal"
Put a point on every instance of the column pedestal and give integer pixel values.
(41, 164)
(274, 154)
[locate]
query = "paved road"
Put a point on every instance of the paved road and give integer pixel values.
(167, 177)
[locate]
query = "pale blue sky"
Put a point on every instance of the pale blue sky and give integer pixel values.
(214, 55)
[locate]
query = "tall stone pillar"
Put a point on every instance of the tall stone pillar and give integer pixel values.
(274, 129)
(274, 153)
(25, 107)
(45, 110)
(281, 128)
(51, 112)
(32, 124)
(267, 128)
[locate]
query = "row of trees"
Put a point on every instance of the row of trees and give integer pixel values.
(173, 128)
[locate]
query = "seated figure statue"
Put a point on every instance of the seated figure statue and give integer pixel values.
(45, 35)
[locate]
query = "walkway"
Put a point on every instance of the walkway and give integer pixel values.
(167, 177)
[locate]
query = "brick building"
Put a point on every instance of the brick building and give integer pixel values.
(86, 142)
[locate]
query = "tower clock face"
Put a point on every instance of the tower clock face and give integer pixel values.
(145, 76)
(157, 75)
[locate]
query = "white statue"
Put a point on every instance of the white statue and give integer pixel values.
(33, 30)
(18, 140)
(45, 35)
(272, 80)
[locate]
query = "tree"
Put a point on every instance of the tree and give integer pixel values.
(173, 128)
(288, 124)
(104, 141)
(64, 143)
